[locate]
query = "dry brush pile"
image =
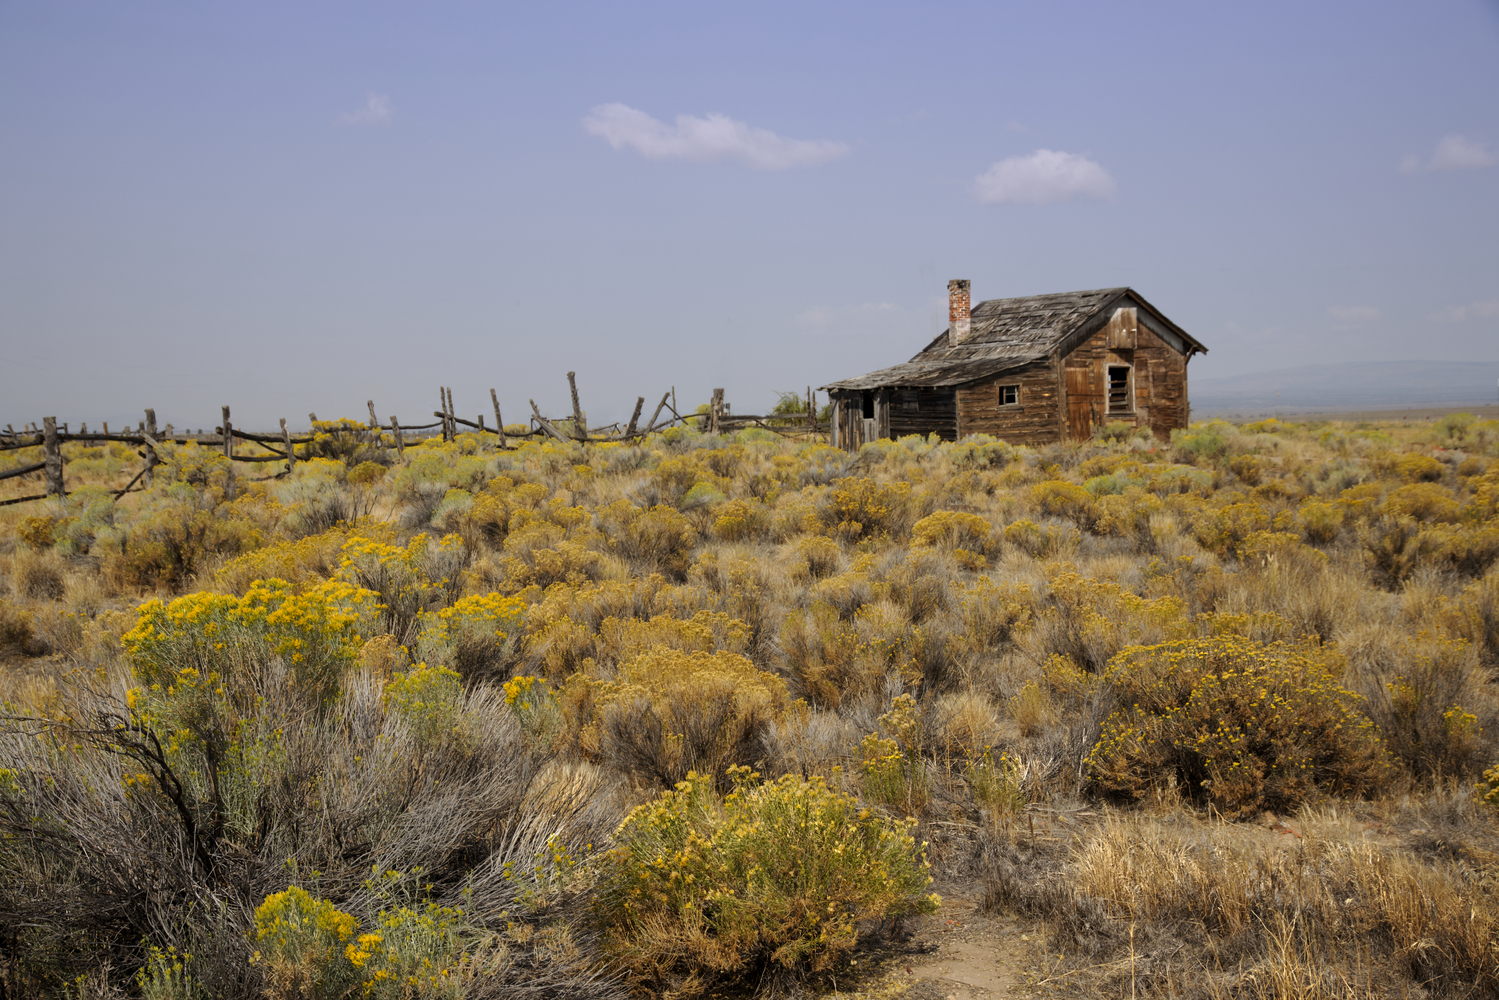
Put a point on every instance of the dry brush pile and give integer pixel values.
(712, 714)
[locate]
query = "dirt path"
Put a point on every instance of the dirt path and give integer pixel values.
(962, 954)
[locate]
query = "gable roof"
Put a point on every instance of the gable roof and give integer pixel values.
(1011, 333)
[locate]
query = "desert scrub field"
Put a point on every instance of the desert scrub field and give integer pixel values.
(718, 715)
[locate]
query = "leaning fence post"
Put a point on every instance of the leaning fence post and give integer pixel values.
(52, 457)
(499, 425)
(580, 426)
(395, 430)
(635, 417)
(228, 435)
(291, 454)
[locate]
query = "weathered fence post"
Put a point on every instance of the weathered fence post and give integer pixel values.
(580, 426)
(291, 453)
(52, 456)
(447, 426)
(811, 411)
(715, 411)
(499, 425)
(635, 417)
(395, 430)
(152, 459)
(374, 420)
(228, 435)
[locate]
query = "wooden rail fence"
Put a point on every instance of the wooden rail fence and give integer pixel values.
(569, 430)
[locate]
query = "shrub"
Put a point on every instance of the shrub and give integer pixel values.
(1198, 445)
(408, 580)
(1422, 501)
(738, 519)
(1321, 521)
(301, 940)
(860, 508)
(1239, 724)
(477, 636)
(17, 632)
(1031, 708)
(1065, 499)
(660, 537)
(1416, 697)
(821, 553)
(950, 529)
(1488, 788)
(1040, 542)
(980, 451)
(430, 699)
(895, 772)
(1414, 468)
(996, 784)
(775, 877)
(669, 712)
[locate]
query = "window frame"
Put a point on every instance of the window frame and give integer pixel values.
(1128, 407)
(1000, 403)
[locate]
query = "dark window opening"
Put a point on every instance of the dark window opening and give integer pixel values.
(1119, 394)
(1009, 395)
(868, 406)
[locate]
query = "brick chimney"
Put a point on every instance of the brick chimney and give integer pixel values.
(958, 310)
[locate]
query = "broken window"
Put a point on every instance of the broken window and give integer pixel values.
(1009, 395)
(1121, 398)
(868, 406)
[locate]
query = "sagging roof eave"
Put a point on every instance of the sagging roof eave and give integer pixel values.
(986, 369)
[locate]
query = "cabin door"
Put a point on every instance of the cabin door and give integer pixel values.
(1084, 401)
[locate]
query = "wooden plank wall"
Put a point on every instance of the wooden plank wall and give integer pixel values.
(924, 411)
(1032, 420)
(1160, 375)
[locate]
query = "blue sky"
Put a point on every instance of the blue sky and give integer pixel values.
(294, 207)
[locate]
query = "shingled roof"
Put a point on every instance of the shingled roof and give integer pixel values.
(1006, 333)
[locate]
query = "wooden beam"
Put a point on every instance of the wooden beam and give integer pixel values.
(546, 424)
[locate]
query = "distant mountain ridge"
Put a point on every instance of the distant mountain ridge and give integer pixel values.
(1349, 385)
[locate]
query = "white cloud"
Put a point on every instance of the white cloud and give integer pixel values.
(1044, 176)
(870, 321)
(376, 111)
(1477, 310)
(1454, 152)
(1352, 315)
(701, 140)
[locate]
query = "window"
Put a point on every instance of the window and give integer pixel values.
(1009, 395)
(868, 406)
(1121, 399)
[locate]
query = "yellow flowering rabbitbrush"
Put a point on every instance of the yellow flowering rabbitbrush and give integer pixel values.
(1239, 724)
(774, 874)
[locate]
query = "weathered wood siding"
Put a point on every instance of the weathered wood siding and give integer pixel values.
(924, 411)
(1159, 374)
(1031, 419)
(851, 429)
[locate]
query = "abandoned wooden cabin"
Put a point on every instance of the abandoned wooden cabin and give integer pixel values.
(1030, 370)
